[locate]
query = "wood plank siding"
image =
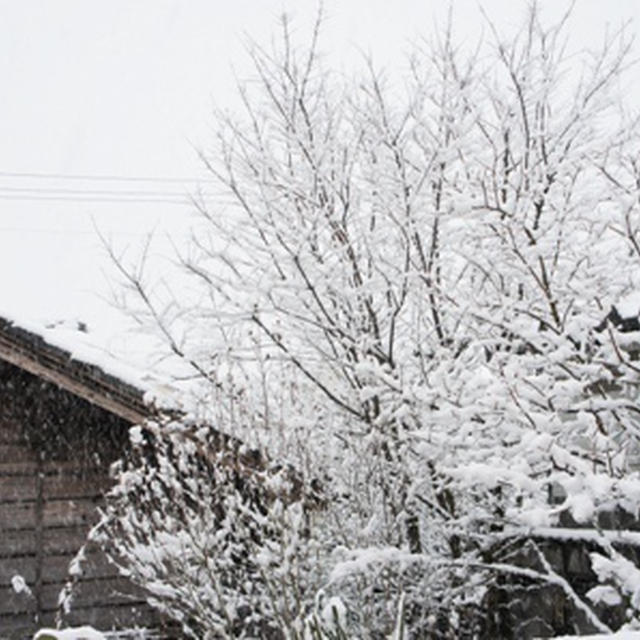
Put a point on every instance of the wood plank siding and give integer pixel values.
(59, 433)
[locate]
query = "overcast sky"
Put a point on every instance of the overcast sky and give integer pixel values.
(126, 87)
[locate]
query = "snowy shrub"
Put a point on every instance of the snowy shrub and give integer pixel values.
(219, 540)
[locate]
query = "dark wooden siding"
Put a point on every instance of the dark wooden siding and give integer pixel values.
(55, 452)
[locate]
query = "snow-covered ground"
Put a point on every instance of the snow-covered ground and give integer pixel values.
(80, 633)
(621, 635)
(88, 633)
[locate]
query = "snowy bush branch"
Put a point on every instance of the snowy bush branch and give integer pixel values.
(424, 305)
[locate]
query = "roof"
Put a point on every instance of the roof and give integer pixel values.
(77, 366)
(29, 350)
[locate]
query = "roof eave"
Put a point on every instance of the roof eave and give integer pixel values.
(32, 353)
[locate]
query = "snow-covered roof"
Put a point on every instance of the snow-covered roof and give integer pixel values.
(67, 358)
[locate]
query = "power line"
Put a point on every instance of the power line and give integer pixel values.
(87, 188)
(73, 232)
(95, 192)
(100, 177)
(94, 199)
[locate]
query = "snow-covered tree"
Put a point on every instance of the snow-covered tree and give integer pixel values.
(418, 302)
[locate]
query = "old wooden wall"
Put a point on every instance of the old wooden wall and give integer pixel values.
(55, 451)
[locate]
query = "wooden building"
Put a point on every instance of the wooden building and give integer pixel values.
(62, 423)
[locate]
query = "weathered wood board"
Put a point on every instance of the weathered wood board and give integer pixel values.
(55, 453)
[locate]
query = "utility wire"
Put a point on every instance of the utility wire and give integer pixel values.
(73, 232)
(93, 199)
(33, 188)
(100, 177)
(95, 192)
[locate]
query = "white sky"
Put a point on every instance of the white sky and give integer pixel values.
(125, 88)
